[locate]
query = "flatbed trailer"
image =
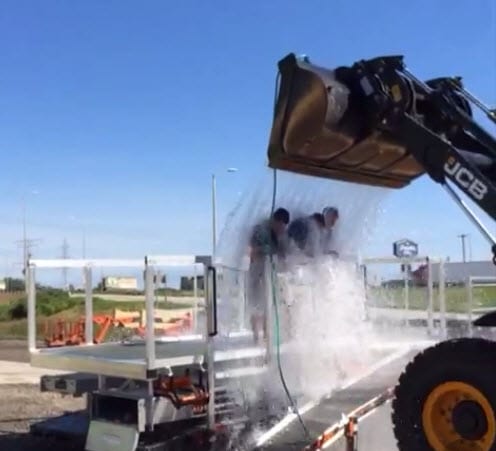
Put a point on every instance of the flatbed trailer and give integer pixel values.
(130, 403)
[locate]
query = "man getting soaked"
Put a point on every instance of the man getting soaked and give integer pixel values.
(268, 238)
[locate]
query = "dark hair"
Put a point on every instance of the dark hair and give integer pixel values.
(319, 218)
(331, 210)
(281, 215)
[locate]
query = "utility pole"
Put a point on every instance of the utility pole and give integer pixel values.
(462, 237)
(65, 256)
(26, 244)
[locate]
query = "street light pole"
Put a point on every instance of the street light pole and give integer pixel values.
(24, 243)
(462, 237)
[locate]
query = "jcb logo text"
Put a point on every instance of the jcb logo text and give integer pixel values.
(466, 179)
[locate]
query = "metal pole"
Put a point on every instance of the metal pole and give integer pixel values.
(195, 295)
(214, 218)
(150, 317)
(442, 299)
(88, 305)
(470, 307)
(208, 293)
(487, 234)
(462, 237)
(406, 294)
(469, 248)
(31, 308)
(25, 245)
(430, 298)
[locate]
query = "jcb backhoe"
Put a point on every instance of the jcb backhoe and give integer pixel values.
(375, 123)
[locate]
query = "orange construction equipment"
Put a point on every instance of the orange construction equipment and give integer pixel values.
(70, 333)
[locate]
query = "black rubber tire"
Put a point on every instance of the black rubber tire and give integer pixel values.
(469, 360)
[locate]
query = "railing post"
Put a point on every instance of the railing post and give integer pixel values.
(430, 298)
(150, 317)
(406, 293)
(88, 306)
(470, 307)
(195, 295)
(210, 331)
(442, 299)
(31, 307)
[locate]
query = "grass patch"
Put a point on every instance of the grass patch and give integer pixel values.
(52, 304)
(456, 298)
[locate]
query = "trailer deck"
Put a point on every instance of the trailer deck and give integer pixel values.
(128, 359)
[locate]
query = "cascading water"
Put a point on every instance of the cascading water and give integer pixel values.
(320, 300)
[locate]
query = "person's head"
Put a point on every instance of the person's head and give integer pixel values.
(331, 215)
(319, 219)
(280, 219)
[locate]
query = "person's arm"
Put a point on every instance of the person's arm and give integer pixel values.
(314, 239)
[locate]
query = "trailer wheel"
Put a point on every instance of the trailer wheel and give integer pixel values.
(446, 398)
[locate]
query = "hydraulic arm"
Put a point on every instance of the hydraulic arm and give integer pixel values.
(375, 123)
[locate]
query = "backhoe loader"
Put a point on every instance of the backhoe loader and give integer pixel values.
(375, 123)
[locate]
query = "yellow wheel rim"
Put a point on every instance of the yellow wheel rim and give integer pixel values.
(457, 416)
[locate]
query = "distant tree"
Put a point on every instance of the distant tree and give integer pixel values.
(13, 284)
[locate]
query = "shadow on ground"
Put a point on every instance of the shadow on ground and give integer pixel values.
(19, 441)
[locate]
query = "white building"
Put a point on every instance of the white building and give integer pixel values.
(120, 283)
(456, 273)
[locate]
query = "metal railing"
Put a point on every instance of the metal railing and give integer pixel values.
(149, 264)
(430, 308)
(475, 282)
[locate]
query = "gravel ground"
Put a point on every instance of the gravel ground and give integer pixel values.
(22, 405)
(14, 350)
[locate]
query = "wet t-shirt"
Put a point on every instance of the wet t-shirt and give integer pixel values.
(306, 234)
(263, 239)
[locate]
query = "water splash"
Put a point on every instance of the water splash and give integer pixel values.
(358, 205)
(321, 301)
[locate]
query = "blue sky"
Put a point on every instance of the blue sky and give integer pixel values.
(117, 112)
